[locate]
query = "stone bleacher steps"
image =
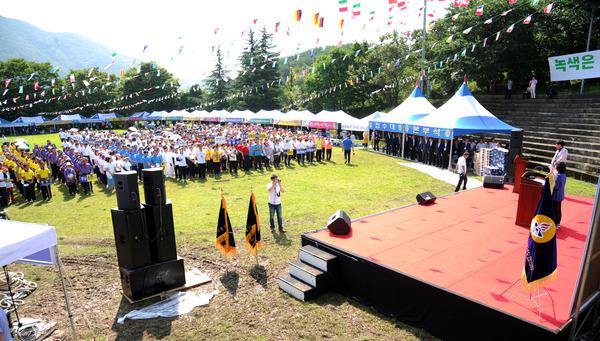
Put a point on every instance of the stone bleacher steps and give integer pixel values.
(309, 275)
(545, 121)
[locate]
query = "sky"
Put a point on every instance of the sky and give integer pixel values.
(126, 26)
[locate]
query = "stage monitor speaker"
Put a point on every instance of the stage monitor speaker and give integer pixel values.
(133, 247)
(339, 223)
(154, 186)
(152, 279)
(493, 181)
(128, 193)
(516, 139)
(426, 198)
(161, 232)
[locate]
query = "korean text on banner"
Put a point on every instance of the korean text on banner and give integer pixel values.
(575, 66)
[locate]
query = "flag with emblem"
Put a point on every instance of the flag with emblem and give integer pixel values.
(225, 240)
(540, 257)
(253, 227)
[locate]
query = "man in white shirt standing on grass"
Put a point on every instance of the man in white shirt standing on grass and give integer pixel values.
(275, 189)
(461, 169)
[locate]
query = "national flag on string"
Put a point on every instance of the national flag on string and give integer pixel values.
(52, 82)
(510, 28)
(391, 2)
(114, 56)
(36, 86)
(180, 49)
(298, 15)
(341, 23)
(402, 5)
(548, 8)
(454, 17)
(497, 35)
(43, 93)
(253, 227)
(225, 241)
(506, 12)
(316, 19)
(473, 48)
(144, 49)
(541, 256)
(479, 10)
(31, 76)
(512, 2)
(4, 93)
(449, 39)
(468, 30)
(321, 22)
(461, 3)
(527, 20)
(356, 9)
(489, 21)
(7, 82)
(343, 5)
(371, 15)
(254, 21)
(27, 97)
(277, 27)
(485, 42)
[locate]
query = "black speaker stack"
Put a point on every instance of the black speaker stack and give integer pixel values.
(145, 236)
(515, 147)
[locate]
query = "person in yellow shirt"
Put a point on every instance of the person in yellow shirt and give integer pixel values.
(43, 176)
(208, 156)
(216, 160)
(319, 147)
(28, 181)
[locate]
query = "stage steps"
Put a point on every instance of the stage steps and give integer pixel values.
(309, 275)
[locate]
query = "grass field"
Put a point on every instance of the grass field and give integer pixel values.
(248, 304)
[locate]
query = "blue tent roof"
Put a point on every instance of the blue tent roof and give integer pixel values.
(107, 116)
(3, 121)
(74, 117)
(414, 107)
(30, 120)
(461, 115)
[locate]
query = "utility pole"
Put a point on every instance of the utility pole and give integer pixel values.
(589, 37)
(423, 86)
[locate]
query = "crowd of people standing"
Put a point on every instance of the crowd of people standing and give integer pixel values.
(184, 152)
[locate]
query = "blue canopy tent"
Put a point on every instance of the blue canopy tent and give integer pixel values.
(138, 116)
(65, 119)
(461, 115)
(25, 120)
(414, 107)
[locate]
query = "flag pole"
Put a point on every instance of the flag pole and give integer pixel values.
(227, 240)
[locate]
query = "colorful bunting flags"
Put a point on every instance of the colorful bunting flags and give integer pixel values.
(548, 8)
(510, 28)
(341, 23)
(36, 86)
(454, 17)
(479, 10)
(527, 20)
(298, 15)
(506, 12)
(512, 2)
(489, 21)
(356, 9)
(468, 30)
(343, 5)
(6, 82)
(277, 27)
(316, 19)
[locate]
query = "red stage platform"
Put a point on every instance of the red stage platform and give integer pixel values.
(468, 245)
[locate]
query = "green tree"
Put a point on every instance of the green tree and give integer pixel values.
(150, 85)
(218, 85)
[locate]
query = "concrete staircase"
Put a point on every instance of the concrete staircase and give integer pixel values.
(309, 275)
(545, 121)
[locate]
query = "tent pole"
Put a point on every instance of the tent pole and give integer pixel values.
(12, 298)
(450, 154)
(403, 139)
(64, 287)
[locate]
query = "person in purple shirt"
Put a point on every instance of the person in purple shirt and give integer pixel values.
(84, 173)
(70, 178)
(558, 193)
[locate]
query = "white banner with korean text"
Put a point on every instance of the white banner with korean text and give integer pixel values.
(575, 66)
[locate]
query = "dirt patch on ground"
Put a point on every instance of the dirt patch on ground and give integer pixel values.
(248, 304)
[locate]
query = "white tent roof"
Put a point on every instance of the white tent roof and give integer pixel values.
(245, 114)
(198, 114)
(414, 107)
(298, 115)
(268, 114)
(334, 116)
(20, 240)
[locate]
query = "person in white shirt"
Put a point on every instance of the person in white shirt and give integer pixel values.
(110, 167)
(201, 162)
(561, 155)
(461, 169)
(532, 85)
(181, 165)
(232, 160)
(275, 189)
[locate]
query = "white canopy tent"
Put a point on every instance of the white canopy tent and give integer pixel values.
(34, 244)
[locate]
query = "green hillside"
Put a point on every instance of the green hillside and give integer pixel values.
(67, 51)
